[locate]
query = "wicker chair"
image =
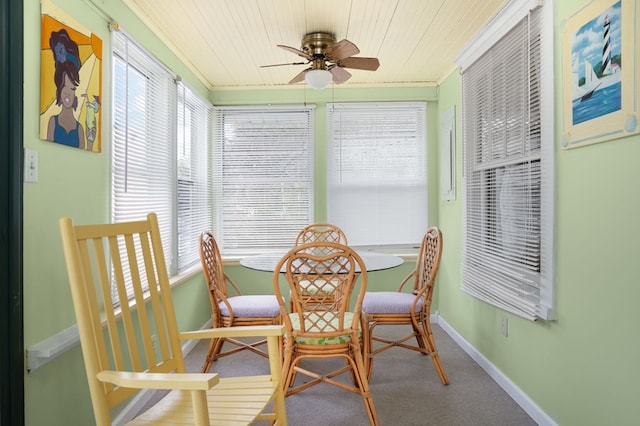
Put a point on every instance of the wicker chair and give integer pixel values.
(321, 232)
(232, 311)
(126, 349)
(404, 308)
(324, 328)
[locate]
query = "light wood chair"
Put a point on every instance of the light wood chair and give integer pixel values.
(127, 349)
(324, 329)
(229, 310)
(404, 308)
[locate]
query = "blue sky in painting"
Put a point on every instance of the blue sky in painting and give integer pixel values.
(588, 40)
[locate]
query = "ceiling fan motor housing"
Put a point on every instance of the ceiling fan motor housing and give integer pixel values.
(315, 44)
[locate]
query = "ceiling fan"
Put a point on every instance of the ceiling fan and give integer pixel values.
(327, 59)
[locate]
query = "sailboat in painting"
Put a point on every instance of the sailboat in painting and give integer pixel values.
(592, 82)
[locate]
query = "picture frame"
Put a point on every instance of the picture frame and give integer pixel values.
(70, 82)
(600, 89)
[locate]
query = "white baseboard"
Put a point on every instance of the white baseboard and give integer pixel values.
(526, 403)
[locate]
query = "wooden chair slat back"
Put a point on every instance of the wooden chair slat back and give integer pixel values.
(116, 333)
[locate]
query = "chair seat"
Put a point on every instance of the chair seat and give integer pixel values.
(311, 319)
(389, 302)
(227, 403)
(252, 306)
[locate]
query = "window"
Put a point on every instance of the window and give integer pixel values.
(263, 174)
(158, 128)
(508, 167)
(195, 209)
(377, 171)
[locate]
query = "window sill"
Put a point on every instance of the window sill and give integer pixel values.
(184, 276)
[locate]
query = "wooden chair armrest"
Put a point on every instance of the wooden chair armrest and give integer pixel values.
(242, 331)
(407, 278)
(228, 279)
(179, 381)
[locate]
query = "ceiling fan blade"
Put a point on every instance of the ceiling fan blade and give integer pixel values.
(280, 65)
(298, 78)
(341, 50)
(369, 64)
(340, 75)
(296, 51)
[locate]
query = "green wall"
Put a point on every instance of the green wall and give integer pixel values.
(74, 183)
(580, 369)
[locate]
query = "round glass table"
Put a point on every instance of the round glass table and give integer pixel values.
(373, 261)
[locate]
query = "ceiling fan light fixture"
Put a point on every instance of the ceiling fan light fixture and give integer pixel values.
(318, 79)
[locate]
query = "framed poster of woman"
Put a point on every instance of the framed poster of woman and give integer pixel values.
(70, 83)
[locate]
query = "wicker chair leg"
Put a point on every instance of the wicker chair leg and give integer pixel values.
(214, 349)
(427, 337)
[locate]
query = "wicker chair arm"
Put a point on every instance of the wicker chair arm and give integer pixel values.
(406, 279)
(228, 280)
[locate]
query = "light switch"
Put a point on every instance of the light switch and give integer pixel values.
(30, 165)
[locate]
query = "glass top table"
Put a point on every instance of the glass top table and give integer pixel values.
(373, 261)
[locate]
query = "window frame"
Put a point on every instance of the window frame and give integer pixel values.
(241, 129)
(156, 141)
(194, 136)
(354, 125)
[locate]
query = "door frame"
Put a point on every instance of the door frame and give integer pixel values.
(12, 364)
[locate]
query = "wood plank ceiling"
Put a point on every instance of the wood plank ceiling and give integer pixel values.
(224, 42)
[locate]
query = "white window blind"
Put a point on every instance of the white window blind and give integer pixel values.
(195, 209)
(508, 174)
(377, 171)
(263, 174)
(143, 153)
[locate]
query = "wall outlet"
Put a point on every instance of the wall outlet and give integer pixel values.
(505, 326)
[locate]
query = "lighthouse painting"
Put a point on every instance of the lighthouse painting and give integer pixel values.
(596, 65)
(600, 72)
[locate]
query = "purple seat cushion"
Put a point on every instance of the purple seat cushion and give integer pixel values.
(252, 306)
(388, 302)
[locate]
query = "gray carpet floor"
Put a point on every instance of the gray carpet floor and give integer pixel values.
(405, 387)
